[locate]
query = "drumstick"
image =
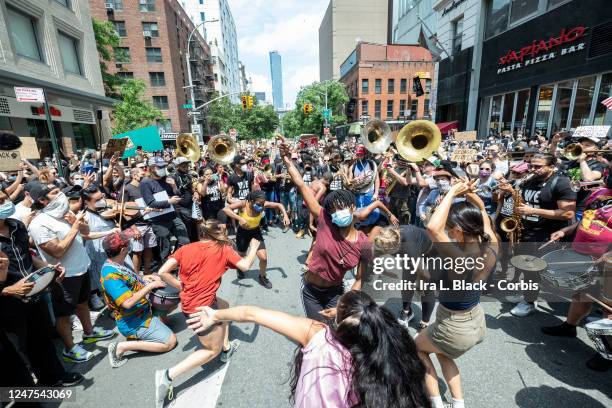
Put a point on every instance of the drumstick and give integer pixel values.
(545, 245)
(599, 302)
(571, 263)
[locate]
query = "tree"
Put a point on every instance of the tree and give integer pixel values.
(256, 123)
(107, 41)
(133, 112)
(296, 122)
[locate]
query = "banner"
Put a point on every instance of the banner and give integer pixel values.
(599, 132)
(464, 155)
(9, 160)
(466, 136)
(309, 141)
(29, 149)
(147, 137)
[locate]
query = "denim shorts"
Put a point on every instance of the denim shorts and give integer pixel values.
(157, 332)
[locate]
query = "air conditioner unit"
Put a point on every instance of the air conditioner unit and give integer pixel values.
(147, 34)
(118, 65)
(110, 7)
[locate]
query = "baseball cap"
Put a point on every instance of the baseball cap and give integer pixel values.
(116, 241)
(37, 190)
(72, 192)
(520, 168)
(180, 160)
(238, 159)
(157, 162)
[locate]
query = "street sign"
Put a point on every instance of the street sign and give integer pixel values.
(233, 133)
(326, 131)
(327, 113)
(29, 94)
(197, 129)
(193, 113)
(187, 106)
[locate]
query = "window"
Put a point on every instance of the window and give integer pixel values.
(555, 3)
(543, 109)
(378, 86)
(147, 5)
(403, 85)
(151, 28)
(522, 107)
(160, 102)
(562, 105)
(125, 75)
(522, 9)
(426, 108)
(120, 28)
(5, 123)
(64, 3)
(365, 85)
(427, 85)
(414, 108)
(122, 54)
(391, 86)
(583, 101)
(202, 16)
(164, 125)
(69, 51)
(157, 78)
(389, 109)
(154, 54)
(603, 115)
(506, 119)
(377, 105)
(364, 107)
(201, 1)
(24, 35)
(457, 35)
(497, 17)
(117, 4)
(402, 110)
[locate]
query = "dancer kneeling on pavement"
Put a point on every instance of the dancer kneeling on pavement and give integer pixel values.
(250, 213)
(201, 266)
(367, 359)
(126, 295)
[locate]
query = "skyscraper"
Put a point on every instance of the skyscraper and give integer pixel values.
(276, 72)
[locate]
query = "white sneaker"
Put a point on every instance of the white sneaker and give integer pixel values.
(76, 323)
(523, 309)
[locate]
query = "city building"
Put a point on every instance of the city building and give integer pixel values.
(261, 97)
(223, 42)
(154, 37)
(45, 44)
(408, 18)
(346, 22)
(524, 66)
(276, 73)
(380, 79)
(244, 81)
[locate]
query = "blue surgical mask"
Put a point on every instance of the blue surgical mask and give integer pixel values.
(342, 218)
(257, 208)
(6, 210)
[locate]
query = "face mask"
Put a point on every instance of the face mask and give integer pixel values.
(257, 208)
(485, 173)
(342, 218)
(443, 185)
(79, 182)
(6, 210)
(161, 172)
(244, 168)
(58, 207)
(215, 177)
(100, 203)
(334, 168)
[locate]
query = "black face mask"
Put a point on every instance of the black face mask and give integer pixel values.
(334, 168)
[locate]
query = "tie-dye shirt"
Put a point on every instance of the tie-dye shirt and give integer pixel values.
(119, 283)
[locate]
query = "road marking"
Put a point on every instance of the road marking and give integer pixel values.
(204, 394)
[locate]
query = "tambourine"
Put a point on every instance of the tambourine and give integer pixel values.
(41, 278)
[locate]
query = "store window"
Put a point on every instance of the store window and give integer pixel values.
(457, 35)
(506, 119)
(69, 50)
(24, 34)
(522, 108)
(583, 101)
(603, 115)
(562, 105)
(5, 123)
(543, 108)
(522, 9)
(497, 16)
(496, 105)
(378, 86)
(365, 85)
(364, 107)
(377, 107)
(83, 136)
(389, 109)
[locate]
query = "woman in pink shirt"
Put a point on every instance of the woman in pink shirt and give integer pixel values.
(368, 360)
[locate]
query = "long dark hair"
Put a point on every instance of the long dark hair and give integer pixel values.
(386, 369)
(467, 217)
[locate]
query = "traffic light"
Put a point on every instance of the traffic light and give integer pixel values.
(244, 102)
(307, 108)
(249, 102)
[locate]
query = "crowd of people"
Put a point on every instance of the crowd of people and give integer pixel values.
(117, 231)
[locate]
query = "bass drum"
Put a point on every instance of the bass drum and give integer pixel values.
(569, 271)
(164, 301)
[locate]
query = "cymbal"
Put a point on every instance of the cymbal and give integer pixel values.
(528, 263)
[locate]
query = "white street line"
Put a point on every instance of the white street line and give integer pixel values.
(204, 394)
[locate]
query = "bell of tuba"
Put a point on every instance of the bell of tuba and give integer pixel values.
(376, 136)
(222, 149)
(187, 146)
(418, 140)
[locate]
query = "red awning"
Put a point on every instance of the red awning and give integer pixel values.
(446, 127)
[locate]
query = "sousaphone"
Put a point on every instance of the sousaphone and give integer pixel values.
(187, 146)
(418, 140)
(376, 136)
(222, 149)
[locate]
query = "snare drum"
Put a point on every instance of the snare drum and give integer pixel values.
(164, 300)
(41, 278)
(600, 333)
(569, 271)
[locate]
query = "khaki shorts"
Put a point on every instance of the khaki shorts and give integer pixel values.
(455, 332)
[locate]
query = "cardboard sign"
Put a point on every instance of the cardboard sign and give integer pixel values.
(9, 160)
(464, 155)
(599, 132)
(29, 149)
(115, 147)
(309, 141)
(465, 136)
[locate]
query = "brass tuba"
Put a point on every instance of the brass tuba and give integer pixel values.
(222, 149)
(418, 140)
(187, 146)
(376, 136)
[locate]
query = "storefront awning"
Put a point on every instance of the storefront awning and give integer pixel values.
(446, 127)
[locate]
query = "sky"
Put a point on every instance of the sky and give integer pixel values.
(290, 27)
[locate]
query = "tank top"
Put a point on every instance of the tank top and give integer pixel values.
(252, 222)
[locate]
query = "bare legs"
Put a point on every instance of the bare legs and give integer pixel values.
(450, 371)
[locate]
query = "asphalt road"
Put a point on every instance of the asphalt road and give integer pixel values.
(515, 366)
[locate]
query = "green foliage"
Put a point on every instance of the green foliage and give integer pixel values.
(107, 40)
(133, 111)
(256, 123)
(296, 122)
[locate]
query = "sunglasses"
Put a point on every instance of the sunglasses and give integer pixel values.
(537, 166)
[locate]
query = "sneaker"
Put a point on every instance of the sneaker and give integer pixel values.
(114, 360)
(563, 330)
(163, 388)
(300, 234)
(227, 354)
(76, 323)
(404, 317)
(96, 302)
(523, 309)
(77, 355)
(241, 274)
(70, 380)
(598, 363)
(97, 334)
(422, 326)
(265, 282)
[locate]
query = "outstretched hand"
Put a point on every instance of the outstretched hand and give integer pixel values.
(202, 320)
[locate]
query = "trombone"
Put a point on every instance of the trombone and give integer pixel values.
(575, 150)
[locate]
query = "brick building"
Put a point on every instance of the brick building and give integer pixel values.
(379, 81)
(154, 42)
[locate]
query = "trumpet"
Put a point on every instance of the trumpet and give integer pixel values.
(577, 185)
